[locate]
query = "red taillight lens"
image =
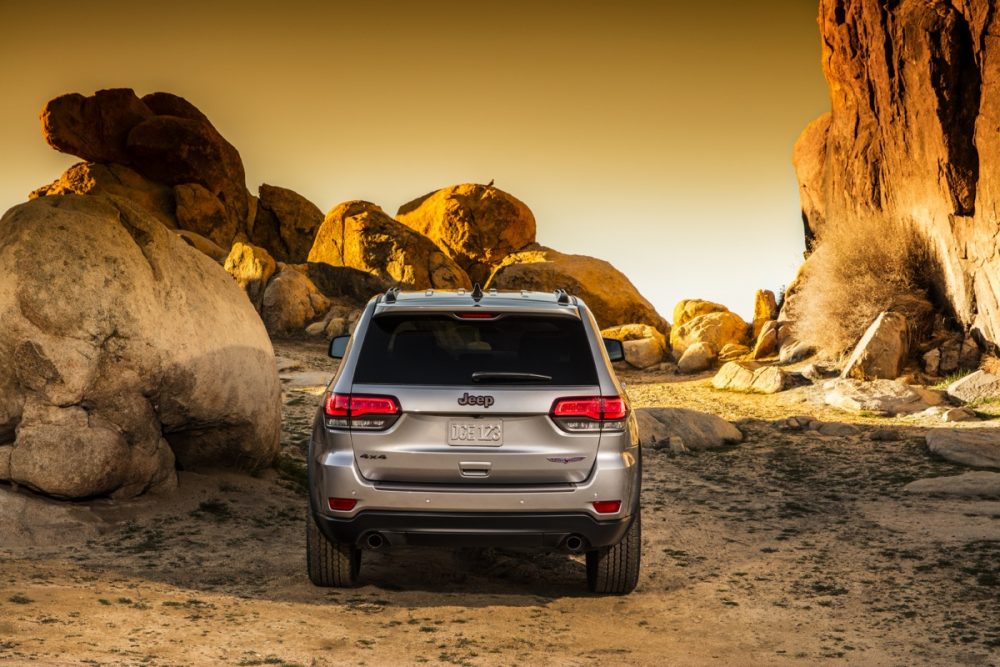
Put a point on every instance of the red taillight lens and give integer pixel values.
(607, 506)
(343, 504)
(475, 316)
(359, 411)
(590, 413)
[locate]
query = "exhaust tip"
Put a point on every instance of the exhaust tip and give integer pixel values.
(375, 541)
(574, 544)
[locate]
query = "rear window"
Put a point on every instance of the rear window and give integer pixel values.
(443, 350)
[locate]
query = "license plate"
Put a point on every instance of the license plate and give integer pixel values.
(480, 432)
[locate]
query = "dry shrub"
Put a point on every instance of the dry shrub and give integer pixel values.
(858, 270)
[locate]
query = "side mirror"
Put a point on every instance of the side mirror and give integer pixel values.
(338, 346)
(616, 351)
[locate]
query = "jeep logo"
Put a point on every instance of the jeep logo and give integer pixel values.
(469, 399)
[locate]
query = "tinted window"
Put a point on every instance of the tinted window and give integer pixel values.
(443, 350)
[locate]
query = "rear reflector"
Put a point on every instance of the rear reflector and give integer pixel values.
(347, 504)
(345, 411)
(590, 413)
(606, 506)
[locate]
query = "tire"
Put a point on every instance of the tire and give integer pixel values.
(614, 570)
(330, 564)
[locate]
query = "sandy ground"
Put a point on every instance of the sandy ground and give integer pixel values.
(790, 548)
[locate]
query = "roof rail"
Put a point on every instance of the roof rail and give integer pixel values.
(562, 297)
(390, 294)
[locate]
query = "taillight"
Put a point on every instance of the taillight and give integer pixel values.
(590, 413)
(475, 315)
(360, 411)
(346, 504)
(607, 506)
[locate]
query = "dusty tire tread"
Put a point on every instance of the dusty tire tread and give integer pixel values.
(330, 565)
(614, 570)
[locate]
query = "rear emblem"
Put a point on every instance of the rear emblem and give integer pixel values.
(469, 399)
(564, 459)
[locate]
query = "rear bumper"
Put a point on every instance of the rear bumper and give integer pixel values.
(544, 531)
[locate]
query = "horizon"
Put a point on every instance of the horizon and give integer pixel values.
(630, 134)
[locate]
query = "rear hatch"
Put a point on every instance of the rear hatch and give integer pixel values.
(475, 391)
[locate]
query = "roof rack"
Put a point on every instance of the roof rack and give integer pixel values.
(390, 294)
(562, 297)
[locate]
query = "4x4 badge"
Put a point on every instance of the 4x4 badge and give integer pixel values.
(470, 399)
(564, 459)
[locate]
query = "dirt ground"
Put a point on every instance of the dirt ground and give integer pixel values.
(789, 548)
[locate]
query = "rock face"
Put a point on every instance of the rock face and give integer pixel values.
(251, 267)
(911, 138)
(360, 235)
(286, 223)
(979, 447)
(695, 430)
(718, 329)
(608, 293)
(127, 349)
(345, 283)
(476, 225)
(975, 387)
(882, 351)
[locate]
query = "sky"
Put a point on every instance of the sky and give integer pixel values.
(655, 135)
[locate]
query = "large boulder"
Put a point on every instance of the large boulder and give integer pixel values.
(345, 283)
(688, 429)
(688, 309)
(766, 344)
(882, 351)
(718, 329)
(612, 298)
(285, 223)
(765, 309)
(977, 386)
(975, 484)
(880, 397)
(644, 346)
(127, 349)
(979, 447)
(290, 302)
(476, 225)
(696, 358)
(748, 376)
(95, 128)
(251, 267)
(360, 235)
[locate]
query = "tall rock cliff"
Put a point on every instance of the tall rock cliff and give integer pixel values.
(913, 138)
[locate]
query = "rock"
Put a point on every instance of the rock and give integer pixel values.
(676, 445)
(977, 386)
(607, 292)
(203, 213)
(644, 345)
(732, 351)
(316, 329)
(716, 328)
(688, 309)
(751, 377)
(969, 354)
(950, 354)
(765, 309)
(882, 350)
(912, 87)
(696, 358)
(290, 302)
(959, 415)
(837, 430)
(696, 430)
(203, 245)
(251, 267)
(337, 326)
(476, 225)
(767, 341)
(95, 128)
(30, 520)
(286, 224)
(794, 351)
(977, 447)
(976, 484)
(87, 178)
(359, 234)
(345, 283)
(814, 372)
(129, 349)
(883, 397)
(932, 361)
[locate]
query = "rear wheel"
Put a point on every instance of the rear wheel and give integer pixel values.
(330, 564)
(614, 570)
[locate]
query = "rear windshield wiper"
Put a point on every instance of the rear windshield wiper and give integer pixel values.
(501, 376)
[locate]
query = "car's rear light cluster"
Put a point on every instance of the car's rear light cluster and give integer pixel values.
(590, 413)
(607, 506)
(360, 412)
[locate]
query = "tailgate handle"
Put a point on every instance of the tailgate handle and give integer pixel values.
(475, 468)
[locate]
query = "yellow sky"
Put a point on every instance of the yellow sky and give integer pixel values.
(655, 135)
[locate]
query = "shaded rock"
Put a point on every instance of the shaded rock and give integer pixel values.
(976, 386)
(717, 329)
(979, 483)
(285, 223)
(359, 234)
(882, 350)
(290, 302)
(608, 293)
(251, 267)
(932, 361)
(695, 430)
(794, 351)
(476, 225)
(767, 341)
(95, 128)
(130, 349)
(732, 351)
(30, 520)
(884, 435)
(697, 358)
(884, 397)
(644, 345)
(765, 309)
(203, 213)
(345, 282)
(837, 430)
(959, 415)
(752, 377)
(977, 447)
(203, 245)
(688, 309)
(87, 178)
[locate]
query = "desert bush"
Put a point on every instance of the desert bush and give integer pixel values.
(858, 270)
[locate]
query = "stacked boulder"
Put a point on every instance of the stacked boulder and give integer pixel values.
(702, 331)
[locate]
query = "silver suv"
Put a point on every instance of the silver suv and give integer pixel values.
(472, 418)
